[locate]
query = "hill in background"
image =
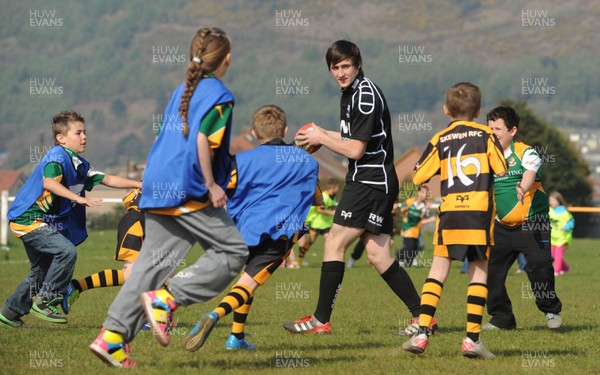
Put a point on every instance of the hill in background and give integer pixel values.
(117, 62)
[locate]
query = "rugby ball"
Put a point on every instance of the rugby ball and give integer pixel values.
(304, 129)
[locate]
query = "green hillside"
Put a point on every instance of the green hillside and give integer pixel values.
(117, 62)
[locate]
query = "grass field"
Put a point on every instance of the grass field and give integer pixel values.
(366, 320)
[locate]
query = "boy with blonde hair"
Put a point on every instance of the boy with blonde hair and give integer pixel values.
(466, 155)
(275, 187)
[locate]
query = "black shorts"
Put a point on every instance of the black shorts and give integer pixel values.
(460, 252)
(410, 244)
(320, 232)
(266, 257)
(364, 207)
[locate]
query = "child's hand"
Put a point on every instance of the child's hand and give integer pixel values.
(89, 202)
(520, 193)
(217, 196)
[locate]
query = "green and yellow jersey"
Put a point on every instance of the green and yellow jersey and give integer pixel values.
(412, 218)
(48, 204)
(510, 211)
(321, 220)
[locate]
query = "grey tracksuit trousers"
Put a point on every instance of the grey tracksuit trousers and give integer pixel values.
(168, 240)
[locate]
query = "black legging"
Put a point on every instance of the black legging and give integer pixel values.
(410, 250)
(358, 250)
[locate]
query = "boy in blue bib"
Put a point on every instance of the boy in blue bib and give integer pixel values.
(48, 215)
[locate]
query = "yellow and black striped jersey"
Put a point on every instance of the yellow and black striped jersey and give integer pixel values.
(130, 231)
(466, 155)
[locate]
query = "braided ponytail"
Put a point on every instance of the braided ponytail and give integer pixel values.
(208, 51)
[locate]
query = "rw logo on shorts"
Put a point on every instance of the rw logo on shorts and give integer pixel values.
(346, 214)
(375, 219)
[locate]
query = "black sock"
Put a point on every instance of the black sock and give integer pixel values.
(77, 285)
(401, 284)
(332, 274)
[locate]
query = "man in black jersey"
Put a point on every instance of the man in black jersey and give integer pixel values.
(365, 207)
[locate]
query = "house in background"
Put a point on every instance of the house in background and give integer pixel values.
(404, 169)
(595, 184)
(329, 166)
(11, 181)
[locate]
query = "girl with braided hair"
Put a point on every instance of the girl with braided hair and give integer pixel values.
(188, 168)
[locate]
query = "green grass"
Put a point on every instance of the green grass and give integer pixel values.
(366, 320)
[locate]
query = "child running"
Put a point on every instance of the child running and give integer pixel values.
(276, 186)
(187, 172)
(49, 216)
(562, 223)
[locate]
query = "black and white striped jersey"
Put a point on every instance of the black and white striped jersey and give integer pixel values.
(365, 116)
